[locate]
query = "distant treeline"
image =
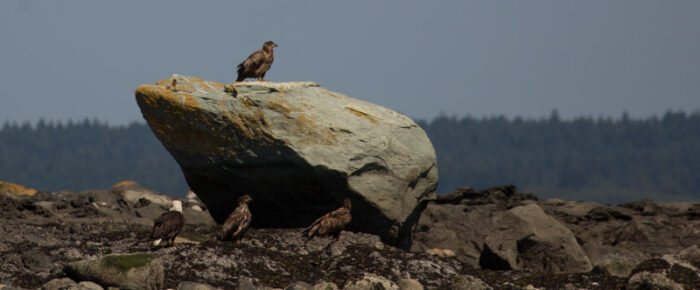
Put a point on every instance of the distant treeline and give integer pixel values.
(86, 155)
(597, 159)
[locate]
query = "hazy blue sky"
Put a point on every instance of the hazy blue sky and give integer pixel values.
(74, 59)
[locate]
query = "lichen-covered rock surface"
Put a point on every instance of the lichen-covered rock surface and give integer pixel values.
(44, 234)
(501, 228)
(297, 149)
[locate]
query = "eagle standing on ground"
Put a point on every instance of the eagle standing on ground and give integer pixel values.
(237, 223)
(257, 64)
(168, 225)
(331, 223)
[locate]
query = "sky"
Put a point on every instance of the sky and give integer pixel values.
(62, 60)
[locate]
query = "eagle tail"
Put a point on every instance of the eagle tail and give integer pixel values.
(241, 73)
(156, 242)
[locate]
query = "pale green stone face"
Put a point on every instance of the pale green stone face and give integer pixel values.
(286, 141)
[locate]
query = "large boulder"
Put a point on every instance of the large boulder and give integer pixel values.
(460, 221)
(527, 238)
(296, 148)
(499, 228)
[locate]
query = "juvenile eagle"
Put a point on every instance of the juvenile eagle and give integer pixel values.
(168, 225)
(331, 223)
(237, 222)
(257, 64)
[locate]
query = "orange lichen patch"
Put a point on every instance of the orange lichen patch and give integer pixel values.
(312, 133)
(217, 85)
(181, 124)
(123, 184)
(247, 103)
(210, 85)
(281, 106)
(362, 115)
(15, 190)
(189, 100)
(151, 94)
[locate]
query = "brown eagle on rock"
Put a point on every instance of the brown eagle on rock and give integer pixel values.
(257, 64)
(331, 223)
(238, 221)
(168, 225)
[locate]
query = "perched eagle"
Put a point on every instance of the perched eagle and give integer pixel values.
(168, 225)
(331, 223)
(237, 222)
(257, 64)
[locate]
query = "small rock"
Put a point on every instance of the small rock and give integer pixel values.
(442, 253)
(90, 285)
(35, 260)
(245, 283)
(299, 285)
(325, 286)
(142, 271)
(466, 282)
(649, 280)
(9, 287)
(57, 284)
(371, 281)
(410, 284)
(187, 285)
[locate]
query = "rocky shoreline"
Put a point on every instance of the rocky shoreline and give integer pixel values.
(45, 235)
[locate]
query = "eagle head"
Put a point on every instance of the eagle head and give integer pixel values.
(268, 45)
(177, 206)
(245, 199)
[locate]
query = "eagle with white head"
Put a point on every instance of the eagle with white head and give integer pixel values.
(168, 225)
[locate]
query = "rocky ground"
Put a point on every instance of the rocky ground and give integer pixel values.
(44, 237)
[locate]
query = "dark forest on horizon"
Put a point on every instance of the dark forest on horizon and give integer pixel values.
(599, 159)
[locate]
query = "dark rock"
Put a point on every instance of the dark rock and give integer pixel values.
(645, 207)
(685, 276)
(606, 214)
(650, 280)
(35, 260)
(652, 265)
(449, 222)
(527, 238)
(280, 257)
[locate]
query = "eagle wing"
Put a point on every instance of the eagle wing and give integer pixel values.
(168, 225)
(329, 223)
(250, 65)
(235, 224)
